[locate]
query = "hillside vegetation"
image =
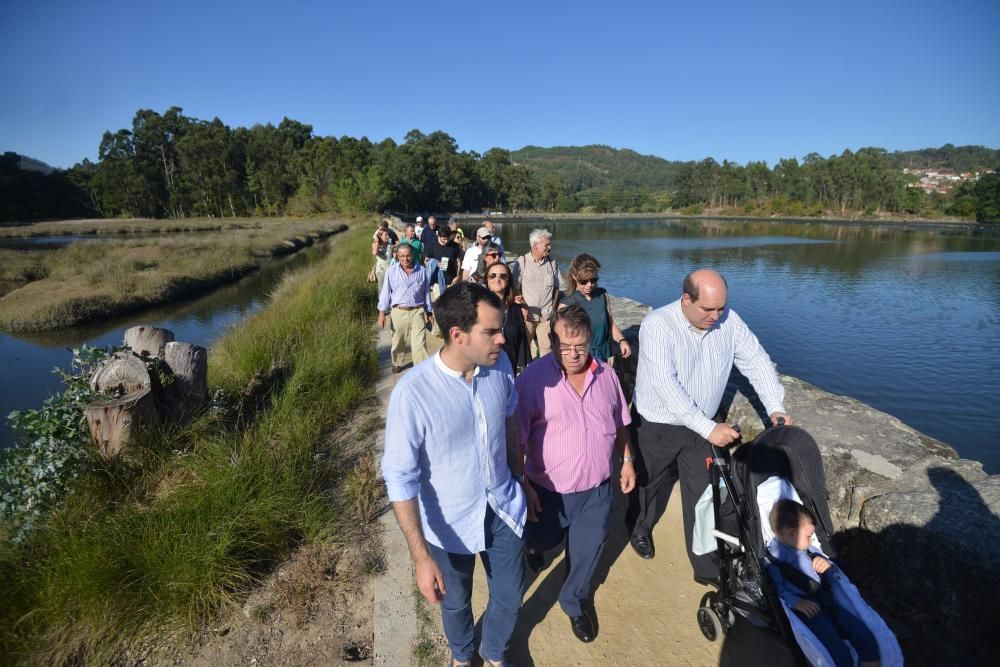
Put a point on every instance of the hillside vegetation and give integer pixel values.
(171, 165)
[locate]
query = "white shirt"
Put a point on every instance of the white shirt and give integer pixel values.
(470, 262)
(683, 371)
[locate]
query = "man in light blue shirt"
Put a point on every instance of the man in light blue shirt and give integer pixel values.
(406, 296)
(453, 472)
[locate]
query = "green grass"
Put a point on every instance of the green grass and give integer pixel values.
(161, 541)
(92, 280)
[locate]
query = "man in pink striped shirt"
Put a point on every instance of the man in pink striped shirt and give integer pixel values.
(572, 415)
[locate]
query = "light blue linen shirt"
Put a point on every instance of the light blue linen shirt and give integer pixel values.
(445, 444)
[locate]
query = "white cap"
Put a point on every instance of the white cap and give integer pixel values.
(420, 218)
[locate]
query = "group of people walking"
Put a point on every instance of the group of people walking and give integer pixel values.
(517, 434)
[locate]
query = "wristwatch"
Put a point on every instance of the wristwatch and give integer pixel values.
(628, 459)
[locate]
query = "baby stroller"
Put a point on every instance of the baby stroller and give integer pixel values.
(782, 462)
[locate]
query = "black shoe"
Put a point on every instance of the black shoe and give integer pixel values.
(397, 369)
(643, 545)
(535, 560)
(715, 582)
(583, 627)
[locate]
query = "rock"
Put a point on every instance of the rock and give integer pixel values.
(917, 526)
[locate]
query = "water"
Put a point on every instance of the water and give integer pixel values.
(26, 359)
(904, 319)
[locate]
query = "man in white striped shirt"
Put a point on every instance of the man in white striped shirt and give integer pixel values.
(686, 352)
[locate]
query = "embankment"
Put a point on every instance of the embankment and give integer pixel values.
(917, 526)
(95, 280)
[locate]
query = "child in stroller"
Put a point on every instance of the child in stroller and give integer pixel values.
(798, 574)
(782, 463)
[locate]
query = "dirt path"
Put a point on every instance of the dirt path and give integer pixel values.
(645, 609)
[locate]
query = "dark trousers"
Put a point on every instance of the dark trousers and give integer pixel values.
(586, 516)
(668, 453)
(833, 624)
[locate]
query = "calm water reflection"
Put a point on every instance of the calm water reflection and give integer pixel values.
(907, 320)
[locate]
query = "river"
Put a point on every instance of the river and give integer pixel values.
(904, 318)
(27, 359)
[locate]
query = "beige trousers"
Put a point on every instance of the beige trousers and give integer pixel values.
(408, 326)
(539, 333)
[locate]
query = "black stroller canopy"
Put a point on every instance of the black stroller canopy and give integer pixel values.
(788, 452)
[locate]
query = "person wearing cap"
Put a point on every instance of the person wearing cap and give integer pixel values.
(444, 258)
(471, 260)
(420, 228)
(494, 237)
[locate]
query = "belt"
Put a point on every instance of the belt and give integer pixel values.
(407, 307)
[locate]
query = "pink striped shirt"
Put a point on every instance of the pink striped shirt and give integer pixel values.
(568, 439)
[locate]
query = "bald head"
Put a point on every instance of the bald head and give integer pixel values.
(705, 297)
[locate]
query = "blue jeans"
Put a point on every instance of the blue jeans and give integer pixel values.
(436, 275)
(504, 564)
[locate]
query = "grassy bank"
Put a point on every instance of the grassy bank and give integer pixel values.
(126, 226)
(92, 280)
(160, 542)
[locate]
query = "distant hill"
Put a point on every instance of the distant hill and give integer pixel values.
(598, 167)
(954, 158)
(31, 164)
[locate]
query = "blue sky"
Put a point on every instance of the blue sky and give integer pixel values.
(744, 80)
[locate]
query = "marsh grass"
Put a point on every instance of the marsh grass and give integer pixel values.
(91, 280)
(181, 529)
(100, 227)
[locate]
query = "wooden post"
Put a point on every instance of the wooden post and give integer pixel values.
(189, 390)
(115, 423)
(148, 341)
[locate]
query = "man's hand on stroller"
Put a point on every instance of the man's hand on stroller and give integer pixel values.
(776, 416)
(820, 564)
(807, 607)
(723, 435)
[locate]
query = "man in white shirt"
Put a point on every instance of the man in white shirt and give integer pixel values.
(471, 259)
(686, 351)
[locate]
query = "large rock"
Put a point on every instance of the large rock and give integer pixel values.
(917, 526)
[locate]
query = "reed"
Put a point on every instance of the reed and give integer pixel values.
(164, 540)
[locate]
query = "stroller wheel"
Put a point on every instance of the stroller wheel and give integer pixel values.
(709, 623)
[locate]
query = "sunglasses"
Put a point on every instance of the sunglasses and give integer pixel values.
(491, 276)
(492, 254)
(589, 281)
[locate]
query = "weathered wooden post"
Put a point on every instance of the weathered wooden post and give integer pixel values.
(148, 341)
(140, 401)
(189, 390)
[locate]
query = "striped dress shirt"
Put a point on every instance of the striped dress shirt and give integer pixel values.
(400, 289)
(568, 439)
(446, 445)
(683, 371)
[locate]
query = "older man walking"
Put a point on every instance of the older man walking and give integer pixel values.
(537, 273)
(406, 297)
(686, 351)
(572, 415)
(451, 467)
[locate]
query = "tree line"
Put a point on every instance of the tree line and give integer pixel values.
(173, 165)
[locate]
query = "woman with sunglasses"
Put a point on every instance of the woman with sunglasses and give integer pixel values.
(491, 255)
(383, 250)
(583, 289)
(516, 336)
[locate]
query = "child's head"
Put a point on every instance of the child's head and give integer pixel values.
(792, 523)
